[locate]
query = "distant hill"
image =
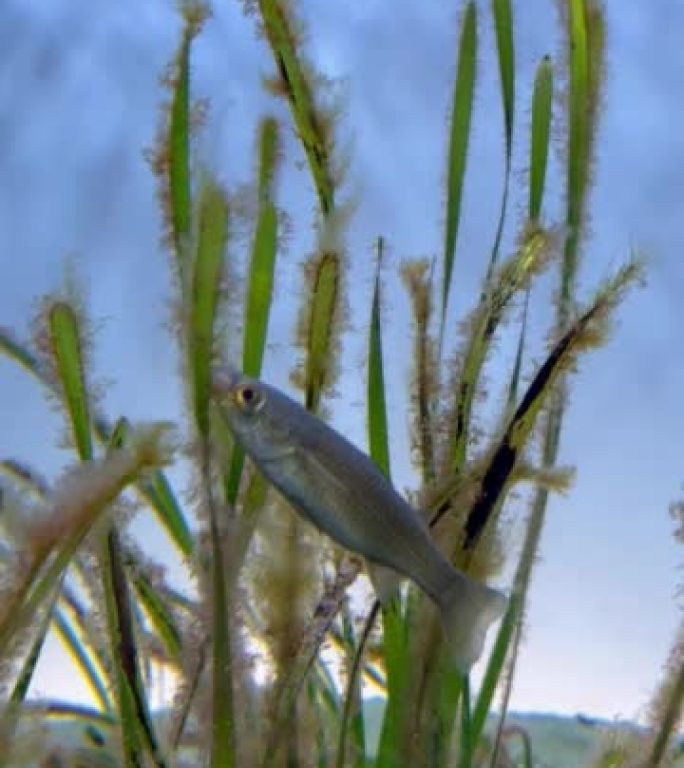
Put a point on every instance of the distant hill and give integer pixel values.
(557, 741)
(85, 741)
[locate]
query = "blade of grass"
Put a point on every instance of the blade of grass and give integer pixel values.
(82, 659)
(352, 715)
(542, 102)
(495, 665)
(505, 48)
(156, 610)
(378, 441)
(171, 160)
(465, 743)
(206, 288)
(260, 282)
(67, 349)
(12, 711)
(394, 631)
(513, 277)
(135, 719)
(322, 315)
(459, 135)
(585, 46)
(311, 122)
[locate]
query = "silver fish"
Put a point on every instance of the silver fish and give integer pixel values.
(342, 492)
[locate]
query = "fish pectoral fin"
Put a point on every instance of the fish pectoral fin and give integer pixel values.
(385, 581)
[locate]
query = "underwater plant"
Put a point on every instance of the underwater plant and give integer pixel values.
(272, 649)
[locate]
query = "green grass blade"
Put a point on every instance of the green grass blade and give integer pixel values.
(260, 281)
(67, 349)
(585, 44)
(177, 198)
(495, 665)
(542, 104)
(21, 687)
(83, 660)
(296, 82)
(16, 351)
(156, 610)
(505, 49)
(321, 323)
(394, 630)
(378, 441)
(461, 113)
(11, 712)
(513, 277)
(264, 248)
(135, 719)
(135, 714)
(158, 493)
(222, 725)
(397, 665)
(503, 27)
(206, 287)
(466, 745)
(514, 383)
(352, 715)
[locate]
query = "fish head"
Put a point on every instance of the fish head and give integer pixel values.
(251, 411)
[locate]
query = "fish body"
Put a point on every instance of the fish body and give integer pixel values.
(339, 489)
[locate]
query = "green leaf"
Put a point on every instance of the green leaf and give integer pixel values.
(378, 441)
(155, 607)
(156, 490)
(585, 44)
(514, 276)
(503, 27)
(495, 665)
(67, 349)
(324, 300)
(222, 725)
(297, 82)
(462, 108)
(179, 131)
(353, 737)
(465, 744)
(260, 281)
(542, 102)
(206, 287)
(83, 660)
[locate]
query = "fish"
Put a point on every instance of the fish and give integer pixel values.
(342, 492)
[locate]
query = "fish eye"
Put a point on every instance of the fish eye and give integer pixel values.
(247, 396)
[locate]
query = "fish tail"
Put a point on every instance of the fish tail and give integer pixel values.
(468, 609)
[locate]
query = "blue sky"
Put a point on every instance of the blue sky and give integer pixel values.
(80, 94)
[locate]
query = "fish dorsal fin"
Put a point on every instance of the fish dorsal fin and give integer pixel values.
(385, 581)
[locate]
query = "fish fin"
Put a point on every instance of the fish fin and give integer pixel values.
(468, 609)
(385, 581)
